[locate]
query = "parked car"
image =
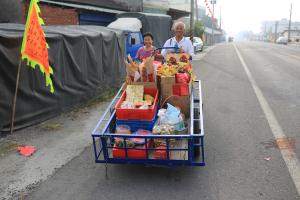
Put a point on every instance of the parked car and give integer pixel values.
(197, 43)
(282, 40)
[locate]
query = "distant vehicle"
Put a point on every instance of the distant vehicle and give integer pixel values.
(230, 39)
(197, 43)
(282, 40)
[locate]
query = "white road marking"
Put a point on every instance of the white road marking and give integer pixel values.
(288, 154)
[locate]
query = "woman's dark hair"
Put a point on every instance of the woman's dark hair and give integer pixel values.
(148, 34)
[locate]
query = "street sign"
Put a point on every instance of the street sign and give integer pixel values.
(213, 1)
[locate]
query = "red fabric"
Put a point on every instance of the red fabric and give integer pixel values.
(26, 150)
(36, 46)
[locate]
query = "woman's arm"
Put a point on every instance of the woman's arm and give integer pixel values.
(138, 53)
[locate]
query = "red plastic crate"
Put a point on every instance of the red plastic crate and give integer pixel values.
(181, 89)
(131, 153)
(138, 114)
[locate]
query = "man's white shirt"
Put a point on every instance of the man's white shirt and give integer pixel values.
(184, 44)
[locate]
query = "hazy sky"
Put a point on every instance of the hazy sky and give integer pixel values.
(240, 15)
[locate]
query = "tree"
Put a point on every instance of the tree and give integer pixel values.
(187, 31)
(199, 29)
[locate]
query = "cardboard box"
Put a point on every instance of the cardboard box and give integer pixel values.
(166, 79)
(165, 85)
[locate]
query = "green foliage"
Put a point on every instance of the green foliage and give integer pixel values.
(187, 32)
(198, 30)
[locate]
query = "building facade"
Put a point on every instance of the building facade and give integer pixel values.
(294, 35)
(269, 27)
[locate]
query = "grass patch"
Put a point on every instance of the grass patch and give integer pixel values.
(7, 147)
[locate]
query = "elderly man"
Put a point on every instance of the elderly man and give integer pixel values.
(185, 45)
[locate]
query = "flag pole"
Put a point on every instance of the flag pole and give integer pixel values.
(14, 101)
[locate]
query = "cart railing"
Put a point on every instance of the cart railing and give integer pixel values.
(103, 137)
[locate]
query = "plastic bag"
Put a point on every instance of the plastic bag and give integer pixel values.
(171, 116)
(162, 116)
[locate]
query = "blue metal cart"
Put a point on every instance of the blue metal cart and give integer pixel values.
(104, 137)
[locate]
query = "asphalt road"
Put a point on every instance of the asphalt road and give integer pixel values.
(243, 161)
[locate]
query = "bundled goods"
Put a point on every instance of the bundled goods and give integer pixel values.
(136, 111)
(163, 129)
(135, 147)
(147, 70)
(170, 121)
(137, 103)
(174, 77)
(149, 99)
(171, 116)
(120, 142)
(177, 63)
(130, 142)
(135, 98)
(140, 71)
(132, 71)
(171, 59)
(167, 70)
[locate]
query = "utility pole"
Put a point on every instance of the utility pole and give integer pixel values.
(213, 2)
(290, 22)
(276, 26)
(220, 18)
(197, 11)
(265, 32)
(192, 21)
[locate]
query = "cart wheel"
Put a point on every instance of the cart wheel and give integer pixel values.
(197, 141)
